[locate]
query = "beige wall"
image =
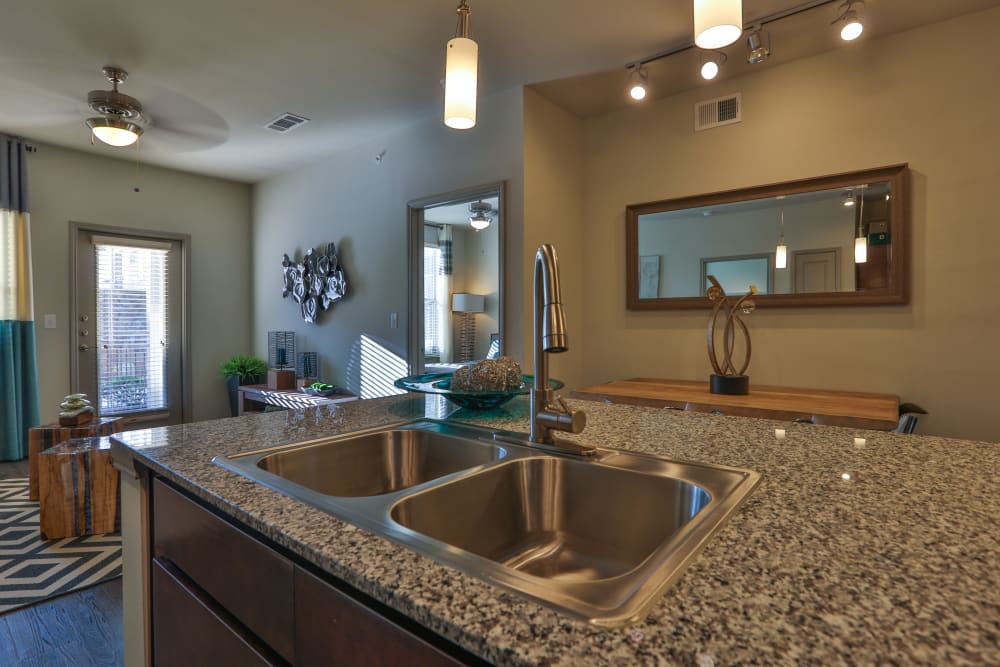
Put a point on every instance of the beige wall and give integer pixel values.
(553, 201)
(79, 186)
(359, 204)
(873, 103)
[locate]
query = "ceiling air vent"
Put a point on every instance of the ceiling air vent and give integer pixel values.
(286, 122)
(720, 111)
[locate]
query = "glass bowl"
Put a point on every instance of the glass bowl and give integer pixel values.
(440, 383)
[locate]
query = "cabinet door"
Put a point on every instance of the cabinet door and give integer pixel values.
(245, 576)
(332, 628)
(191, 630)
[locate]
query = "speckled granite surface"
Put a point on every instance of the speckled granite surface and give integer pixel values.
(878, 553)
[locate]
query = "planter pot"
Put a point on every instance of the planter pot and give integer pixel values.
(232, 385)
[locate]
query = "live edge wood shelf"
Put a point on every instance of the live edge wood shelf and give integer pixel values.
(819, 406)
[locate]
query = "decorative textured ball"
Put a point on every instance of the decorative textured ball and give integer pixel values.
(503, 374)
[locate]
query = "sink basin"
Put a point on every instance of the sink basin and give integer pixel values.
(377, 463)
(599, 539)
(556, 518)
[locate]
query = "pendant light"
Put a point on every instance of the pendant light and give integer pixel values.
(461, 74)
(781, 251)
(861, 239)
(717, 23)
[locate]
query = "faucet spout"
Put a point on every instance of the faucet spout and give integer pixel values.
(549, 338)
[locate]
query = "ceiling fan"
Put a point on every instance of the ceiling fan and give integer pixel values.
(481, 215)
(121, 120)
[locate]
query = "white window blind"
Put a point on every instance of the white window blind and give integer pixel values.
(432, 324)
(132, 325)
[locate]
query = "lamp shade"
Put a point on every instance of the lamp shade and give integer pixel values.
(781, 256)
(717, 23)
(461, 74)
(860, 250)
(462, 302)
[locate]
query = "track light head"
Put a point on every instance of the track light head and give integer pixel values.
(638, 83)
(758, 46)
(850, 16)
(711, 61)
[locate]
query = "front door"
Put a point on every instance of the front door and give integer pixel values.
(127, 344)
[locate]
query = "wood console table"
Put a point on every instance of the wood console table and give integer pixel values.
(833, 408)
(293, 400)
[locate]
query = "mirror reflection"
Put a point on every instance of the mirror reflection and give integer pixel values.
(794, 244)
(823, 241)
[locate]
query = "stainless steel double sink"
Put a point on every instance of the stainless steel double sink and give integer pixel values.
(599, 539)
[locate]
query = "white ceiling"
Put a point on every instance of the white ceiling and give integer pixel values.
(212, 73)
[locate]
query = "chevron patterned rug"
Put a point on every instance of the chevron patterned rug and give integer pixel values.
(32, 568)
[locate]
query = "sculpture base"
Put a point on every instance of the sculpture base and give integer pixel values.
(730, 384)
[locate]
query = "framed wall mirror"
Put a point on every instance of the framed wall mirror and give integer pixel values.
(456, 278)
(831, 240)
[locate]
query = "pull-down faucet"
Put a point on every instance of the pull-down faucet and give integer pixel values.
(550, 337)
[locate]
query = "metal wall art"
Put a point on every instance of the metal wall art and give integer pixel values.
(318, 280)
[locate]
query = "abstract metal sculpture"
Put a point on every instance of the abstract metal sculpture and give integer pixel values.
(318, 280)
(727, 378)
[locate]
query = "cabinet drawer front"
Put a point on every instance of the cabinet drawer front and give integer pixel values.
(191, 630)
(244, 576)
(334, 629)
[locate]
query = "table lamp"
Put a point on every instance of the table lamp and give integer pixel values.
(467, 305)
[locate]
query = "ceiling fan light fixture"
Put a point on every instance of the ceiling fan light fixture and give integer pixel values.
(115, 131)
(717, 23)
(461, 75)
(480, 219)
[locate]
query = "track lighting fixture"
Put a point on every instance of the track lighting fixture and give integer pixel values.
(118, 125)
(849, 199)
(638, 83)
(717, 23)
(461, 73)
(711, 61)
(758, 45)
(850, 15)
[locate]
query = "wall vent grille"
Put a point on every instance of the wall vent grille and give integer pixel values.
(717, 112)
(286, 122)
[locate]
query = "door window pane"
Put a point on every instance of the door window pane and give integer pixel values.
(131, 328)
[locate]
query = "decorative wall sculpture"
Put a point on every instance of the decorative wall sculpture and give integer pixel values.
(317, 281)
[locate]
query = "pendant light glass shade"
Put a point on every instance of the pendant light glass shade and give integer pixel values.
(860, 250)
(781, 256)
(717, 23)
(461, 74)
(114, 132)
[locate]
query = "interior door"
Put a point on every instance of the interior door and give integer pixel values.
(816, 270)
(127, 345)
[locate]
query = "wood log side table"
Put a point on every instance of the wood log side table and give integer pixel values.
(79, 489)
(43, 437)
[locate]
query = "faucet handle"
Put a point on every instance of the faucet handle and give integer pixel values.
(563, 405)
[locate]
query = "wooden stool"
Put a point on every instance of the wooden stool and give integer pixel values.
(79, 489)
(43, 437)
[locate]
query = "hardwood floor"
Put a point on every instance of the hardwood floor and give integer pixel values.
(78, 629)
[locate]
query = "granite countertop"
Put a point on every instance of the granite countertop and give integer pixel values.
(882, 551)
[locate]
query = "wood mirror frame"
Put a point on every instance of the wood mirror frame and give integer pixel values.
(897, 291)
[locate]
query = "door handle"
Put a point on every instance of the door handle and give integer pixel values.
(84, 348)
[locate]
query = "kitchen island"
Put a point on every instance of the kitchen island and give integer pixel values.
(880, 550)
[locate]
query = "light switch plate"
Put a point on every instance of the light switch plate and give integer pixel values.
(50, 321)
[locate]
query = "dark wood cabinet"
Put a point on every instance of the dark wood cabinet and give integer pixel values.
(333, 628)
(191, 629)
(221, 596)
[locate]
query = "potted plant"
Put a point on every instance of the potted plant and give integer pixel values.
(239, 370)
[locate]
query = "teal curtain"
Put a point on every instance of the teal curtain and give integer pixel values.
(18, 364)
